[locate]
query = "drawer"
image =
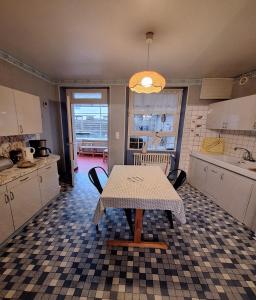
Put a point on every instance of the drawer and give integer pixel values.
(21, 180)
(49, 168)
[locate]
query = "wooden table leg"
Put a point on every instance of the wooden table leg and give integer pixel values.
(137, 237)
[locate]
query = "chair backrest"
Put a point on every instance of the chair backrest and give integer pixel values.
(94, 178)
(180, 179)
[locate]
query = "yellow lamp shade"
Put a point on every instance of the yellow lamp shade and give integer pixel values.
(147, 82)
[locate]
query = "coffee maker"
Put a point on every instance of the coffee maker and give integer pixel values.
(40, 148)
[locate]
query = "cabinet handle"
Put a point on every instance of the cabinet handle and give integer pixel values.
(213, 171)
(41, 179)
(222, 176)
(205, 168)
(24, 179)
(11, 195)
(7, 199)
(21, 129)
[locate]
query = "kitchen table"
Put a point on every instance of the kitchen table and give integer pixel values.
(140, 188)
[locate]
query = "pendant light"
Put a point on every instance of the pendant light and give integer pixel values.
(147, 81)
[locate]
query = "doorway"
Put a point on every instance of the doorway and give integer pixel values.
(88, 120)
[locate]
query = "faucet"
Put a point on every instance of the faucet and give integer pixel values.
(247, 155)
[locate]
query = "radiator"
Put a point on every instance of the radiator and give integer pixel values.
(150, 159)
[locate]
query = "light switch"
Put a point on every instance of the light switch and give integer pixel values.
(117, 135)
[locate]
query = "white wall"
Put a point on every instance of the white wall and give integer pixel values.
(117, 114)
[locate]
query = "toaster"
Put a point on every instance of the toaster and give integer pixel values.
(5, 163)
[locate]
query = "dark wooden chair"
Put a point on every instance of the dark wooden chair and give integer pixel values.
(94, 178)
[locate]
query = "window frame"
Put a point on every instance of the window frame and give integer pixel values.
(137, 134)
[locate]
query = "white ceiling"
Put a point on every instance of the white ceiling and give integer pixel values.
(104, 39)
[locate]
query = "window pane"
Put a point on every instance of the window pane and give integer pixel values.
(85, 95)
(89, 121)
(163, 144)
(153, 122)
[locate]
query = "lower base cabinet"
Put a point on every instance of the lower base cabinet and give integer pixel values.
(233, 192)
(22, 198)
(49, 183)
(6, 222)
(25, 198)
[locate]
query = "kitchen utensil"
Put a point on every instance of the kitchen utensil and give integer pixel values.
(28, 153)
(25, 164)
(15, 155)
(5, 163)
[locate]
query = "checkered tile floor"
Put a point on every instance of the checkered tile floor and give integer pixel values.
(59, 255)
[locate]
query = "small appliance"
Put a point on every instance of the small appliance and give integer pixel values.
(15, 155)
(40, 148)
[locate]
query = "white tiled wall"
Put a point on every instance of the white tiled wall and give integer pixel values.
(195, 131)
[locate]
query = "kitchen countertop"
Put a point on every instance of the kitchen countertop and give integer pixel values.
(233, 164)
(15, 172)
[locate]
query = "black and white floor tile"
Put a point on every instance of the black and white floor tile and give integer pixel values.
(59, 254)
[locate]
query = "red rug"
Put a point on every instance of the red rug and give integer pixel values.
(86, 162)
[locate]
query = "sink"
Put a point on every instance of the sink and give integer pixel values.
(248, 165)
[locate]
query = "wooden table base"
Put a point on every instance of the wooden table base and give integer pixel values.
(137, 237)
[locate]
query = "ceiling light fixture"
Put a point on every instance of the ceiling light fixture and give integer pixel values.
(147, 81)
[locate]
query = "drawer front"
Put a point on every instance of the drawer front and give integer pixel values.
(49, 168)
(20, 180)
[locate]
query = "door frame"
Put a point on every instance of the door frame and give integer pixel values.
(66, 175)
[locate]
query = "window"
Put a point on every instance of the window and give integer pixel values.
(80, 95)
(154, 120)
(91, 121)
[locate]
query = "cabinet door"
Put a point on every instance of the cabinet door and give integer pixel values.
(49, 183)
(242, 114)
(198, 173)
(250, 214)
(28, 112)
(213, 183)
(234, 193)
(25, 199)
(8, 117)
(217, 117)
(6, 223)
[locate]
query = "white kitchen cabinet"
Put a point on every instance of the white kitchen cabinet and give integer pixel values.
(24, 198)
(217, 115)
(233, 192)
(242, 114)
(49, 183)
(250, 214)
(28, 112)
(235, 114)
(197, 175)
(6, 222)
(8, 119)
(213, 182)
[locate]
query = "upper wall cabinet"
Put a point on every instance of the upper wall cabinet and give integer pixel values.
(216, 88)
(8, 119)
(28, 112)
(20, 113)
(235, 114)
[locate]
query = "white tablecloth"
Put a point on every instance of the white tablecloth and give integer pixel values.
(144, 187)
